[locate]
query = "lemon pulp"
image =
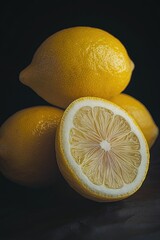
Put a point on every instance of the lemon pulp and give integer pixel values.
(105, 147)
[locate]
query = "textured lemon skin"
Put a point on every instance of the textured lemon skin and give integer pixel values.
(141, 114)
(27, 151)
(78, 62)
(71, 177)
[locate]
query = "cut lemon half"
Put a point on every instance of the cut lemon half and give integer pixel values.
(101, 151)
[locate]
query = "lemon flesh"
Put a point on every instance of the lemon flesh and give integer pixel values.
(101, 151)
(105, 156)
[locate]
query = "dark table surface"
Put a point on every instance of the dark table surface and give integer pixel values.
(60, 213)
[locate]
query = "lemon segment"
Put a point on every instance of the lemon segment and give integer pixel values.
(101, 151)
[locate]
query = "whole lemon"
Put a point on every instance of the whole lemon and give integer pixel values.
(141, 114)
(78, 62)
(27, 152)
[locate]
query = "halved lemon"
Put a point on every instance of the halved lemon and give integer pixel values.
(101, 151)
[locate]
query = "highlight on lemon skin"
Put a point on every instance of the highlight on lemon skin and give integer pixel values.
(27, 139)
(101, 151)
(141, 114)
(78, 62)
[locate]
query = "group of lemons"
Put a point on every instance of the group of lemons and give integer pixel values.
(99, 136)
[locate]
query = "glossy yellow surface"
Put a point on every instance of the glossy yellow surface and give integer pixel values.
(78, 62)
(27, 140)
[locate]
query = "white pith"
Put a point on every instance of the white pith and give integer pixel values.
(105, 146)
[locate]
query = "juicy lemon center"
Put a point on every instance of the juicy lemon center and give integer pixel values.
(104, 146)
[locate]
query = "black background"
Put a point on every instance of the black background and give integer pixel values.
(59, 213)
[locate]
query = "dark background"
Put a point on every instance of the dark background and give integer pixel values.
(59, 213)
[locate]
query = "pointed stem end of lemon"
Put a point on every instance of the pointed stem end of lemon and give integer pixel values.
(132, 65)
(23, 76)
